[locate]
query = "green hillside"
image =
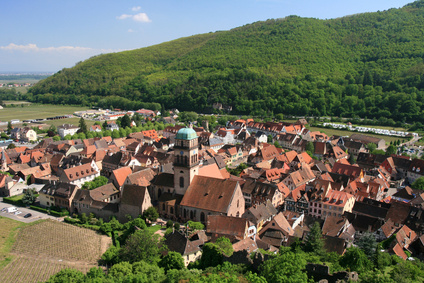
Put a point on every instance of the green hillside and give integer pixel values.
(368, 65)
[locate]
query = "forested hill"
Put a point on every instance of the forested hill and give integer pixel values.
(367, 65)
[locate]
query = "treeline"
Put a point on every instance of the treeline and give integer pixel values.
(363, 65)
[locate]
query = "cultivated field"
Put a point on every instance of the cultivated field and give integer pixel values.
(27, 269)
(43, 248)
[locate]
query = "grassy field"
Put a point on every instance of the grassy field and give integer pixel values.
(331, 132)
(33, 252)
(7, 236)
(37, 111)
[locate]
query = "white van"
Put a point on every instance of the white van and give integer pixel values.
(11, 209)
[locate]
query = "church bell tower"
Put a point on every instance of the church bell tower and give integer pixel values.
(186, 163)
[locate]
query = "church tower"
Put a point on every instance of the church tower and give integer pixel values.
(186, 163)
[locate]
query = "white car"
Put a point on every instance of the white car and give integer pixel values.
(18, 212)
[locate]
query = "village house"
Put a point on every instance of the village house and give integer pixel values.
(78, 175)
(230, 227)
(67, 129)
(102, 201)
(25, 134)
(260, 214)
(134, 201)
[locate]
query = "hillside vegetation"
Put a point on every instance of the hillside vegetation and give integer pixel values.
(368, 65)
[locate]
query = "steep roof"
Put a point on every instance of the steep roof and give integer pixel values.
(103, 192)
(79, 172)
(227, 225)
(133, 195)
(142, 177)
(121, 174)
(210, 194)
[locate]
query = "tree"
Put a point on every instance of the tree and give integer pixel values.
(67, 275)
(126, 121)
(150, 272)
(151, 214)
(121, 269)
(356, 260)
(371, 147)
(225, 246)
(9, 127)
(367, 244)
(418, 184)
(142, 245)
(211, 255)
(188, 116)
(310, 149)
(195, 225)
(172, 260)
(82, 126)
(116, 134)
(314, 242)
(29, 197)
(287, 267)
(56, 138)
(97, 182)
(391, 149)
(53, 129)
(95, 272)
(11, 146)
(269, 138)
(110, 256)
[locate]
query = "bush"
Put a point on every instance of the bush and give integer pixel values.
(41, 209)
(72, 220)
(177, 226)
(169, 224)
(59, 214)
(14, 200)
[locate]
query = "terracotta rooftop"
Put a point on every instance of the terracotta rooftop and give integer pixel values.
(210, 194)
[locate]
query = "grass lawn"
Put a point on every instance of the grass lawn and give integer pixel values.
(8, 231)
(337, 132)
(154, 229)
(37, 111)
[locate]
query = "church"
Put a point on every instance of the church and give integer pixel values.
(195, 191)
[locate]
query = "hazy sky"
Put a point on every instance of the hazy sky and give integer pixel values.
(48, 35)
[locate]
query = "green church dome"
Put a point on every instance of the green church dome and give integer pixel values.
(186, 134)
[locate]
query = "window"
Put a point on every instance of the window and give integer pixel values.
(181, 182)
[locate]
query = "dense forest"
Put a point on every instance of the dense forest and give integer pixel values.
(367, 65)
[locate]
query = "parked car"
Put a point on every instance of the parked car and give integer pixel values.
(18, 212)
(28, 215)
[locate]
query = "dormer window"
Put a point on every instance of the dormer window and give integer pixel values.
(77, 174)
(70, 175)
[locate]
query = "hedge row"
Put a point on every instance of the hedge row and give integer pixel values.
(13, 201)
(39, 208)
(49, 211)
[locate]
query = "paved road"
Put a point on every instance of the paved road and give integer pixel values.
(36, 215)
